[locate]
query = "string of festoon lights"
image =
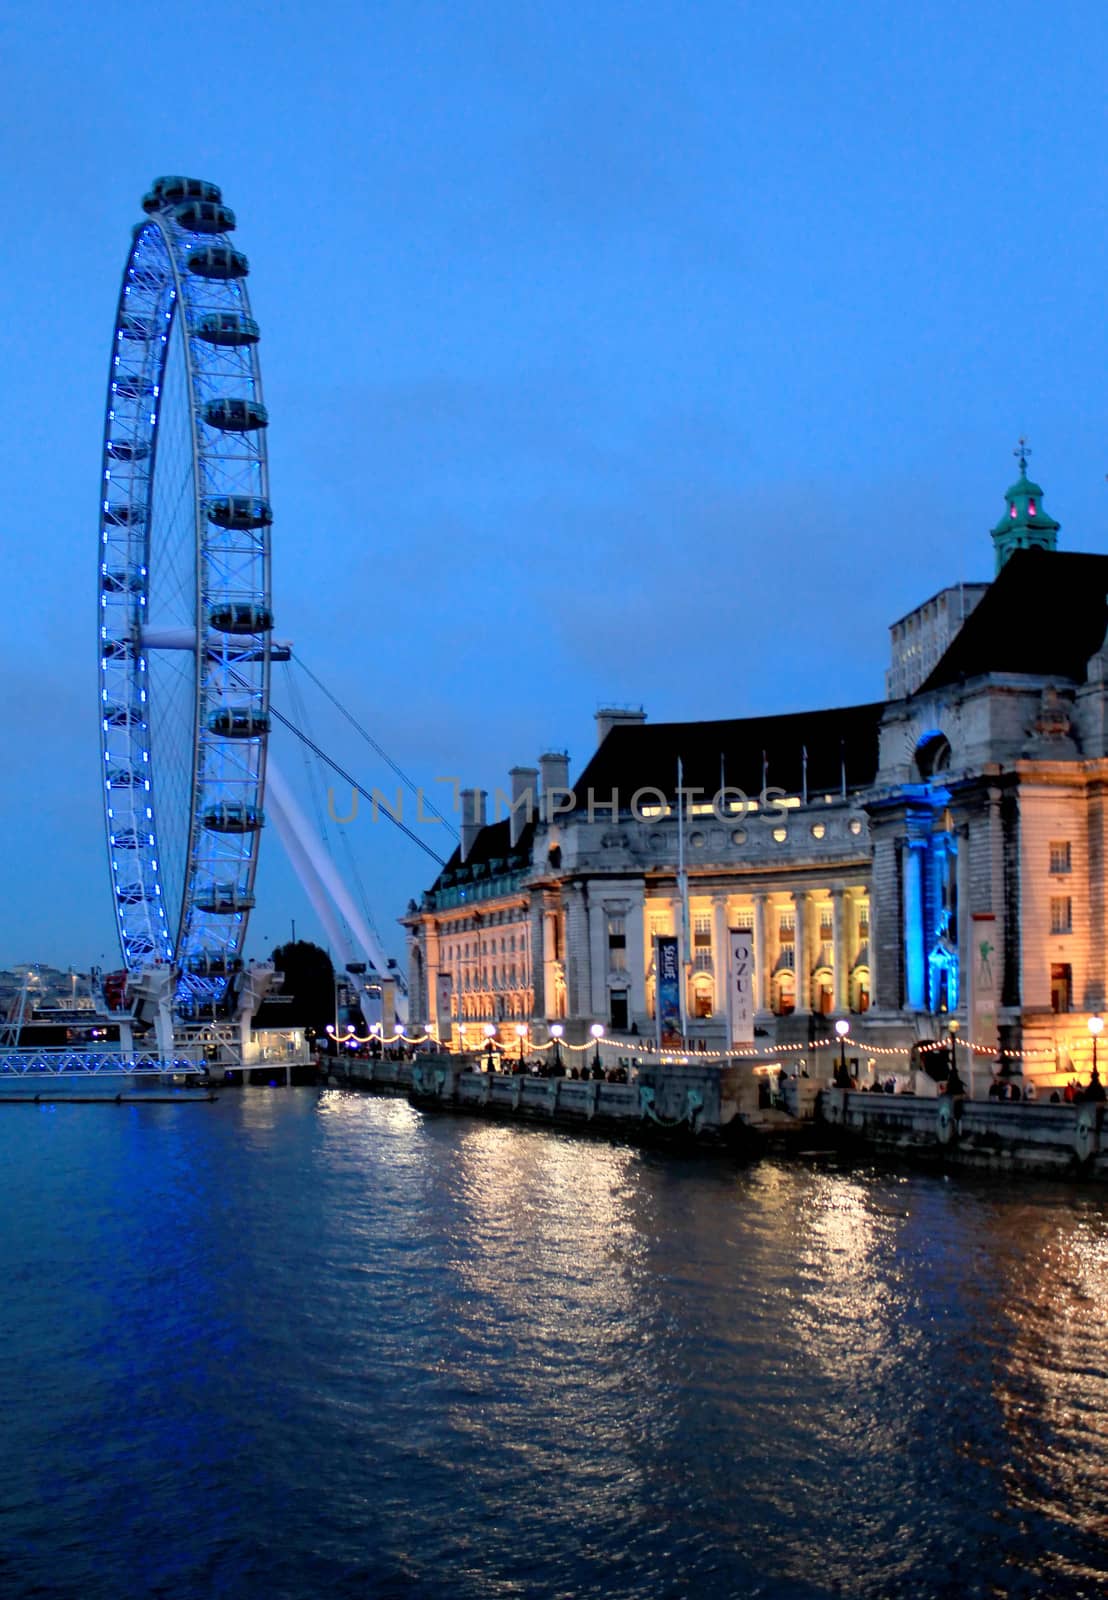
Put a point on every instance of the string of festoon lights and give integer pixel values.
(599, 1042)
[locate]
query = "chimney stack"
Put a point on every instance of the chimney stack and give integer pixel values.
(473, 817)
(609, 717)
(524, 795)
(554, 767)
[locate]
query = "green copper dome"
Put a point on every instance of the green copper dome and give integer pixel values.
(1024, 525)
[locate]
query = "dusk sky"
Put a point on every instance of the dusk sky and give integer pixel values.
(639, 353)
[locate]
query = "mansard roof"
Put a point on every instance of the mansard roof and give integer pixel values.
(492, 853)
(1044, 615)
(644, 755)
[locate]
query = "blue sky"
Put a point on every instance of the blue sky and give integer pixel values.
(641, 353)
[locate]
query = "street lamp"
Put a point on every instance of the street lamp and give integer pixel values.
(842, 1077)
(521, 1033)
(954, 1077)
(1096, 1027)
(556, 1031)
(597, 1031)
(490, 1033)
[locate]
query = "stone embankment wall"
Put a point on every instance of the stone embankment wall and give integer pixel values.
(1035, 1137)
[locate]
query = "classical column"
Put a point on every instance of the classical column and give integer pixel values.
(431, 958)
(719, 953)
(842, 975)
(535, 921)
(638, 957)
(962, 933)
(761, 976)
(803, 965)
(915, 957)
(598, 954)
(549, 955)
(578, 979)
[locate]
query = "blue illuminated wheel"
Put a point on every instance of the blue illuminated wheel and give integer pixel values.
(184, 590)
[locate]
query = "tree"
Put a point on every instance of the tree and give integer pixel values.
(310, 982)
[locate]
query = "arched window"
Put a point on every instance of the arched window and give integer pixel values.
(932, 754)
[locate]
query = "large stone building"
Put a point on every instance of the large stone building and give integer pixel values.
(870, 850)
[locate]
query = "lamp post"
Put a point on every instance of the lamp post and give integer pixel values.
(521, 1034)
(490, 1033)
(556, 1031)
(954, 1077)
(842, 1077)
(1096, 1027)
(597, 1031)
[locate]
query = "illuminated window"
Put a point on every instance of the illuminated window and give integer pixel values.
(780, 835)
(855, 826)
(818, 830)
(738, 835)
(1060, 860)
(1061, 914)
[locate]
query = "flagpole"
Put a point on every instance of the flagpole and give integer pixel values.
(683, 891)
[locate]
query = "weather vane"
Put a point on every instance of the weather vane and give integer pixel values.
(1022, 451)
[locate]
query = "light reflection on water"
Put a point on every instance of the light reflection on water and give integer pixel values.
(296, 1344)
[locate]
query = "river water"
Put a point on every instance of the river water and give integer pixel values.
(303, 1344)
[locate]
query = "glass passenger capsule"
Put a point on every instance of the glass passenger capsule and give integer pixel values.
(228, 328)
(125, 516)
(133, 894)
(132, 327)
(240, 616)
(230, 817)
(223, 900)
(128, 449)
(125, 778)
(240, 511)
(238, 722)
(132, 386)
(204, 216)
(122, 582)
(128, 839)
(170, 191)
(218, 261)
(235, 416)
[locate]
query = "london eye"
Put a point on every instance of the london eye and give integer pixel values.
(185, 616)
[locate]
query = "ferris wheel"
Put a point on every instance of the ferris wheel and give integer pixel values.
(184, 596)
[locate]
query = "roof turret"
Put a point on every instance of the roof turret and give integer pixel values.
(1025, 525)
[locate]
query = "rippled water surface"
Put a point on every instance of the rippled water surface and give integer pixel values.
(296, 1344)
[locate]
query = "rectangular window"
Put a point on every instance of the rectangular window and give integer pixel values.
(1060, 855)
(617, 944)
(1061, 914)
(702, 931)
(702, 961)
(1061, 987)
(786, 927)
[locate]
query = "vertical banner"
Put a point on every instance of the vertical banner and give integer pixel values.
(740, 985)
(984, 977)
(669, 991)
(443, 991)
